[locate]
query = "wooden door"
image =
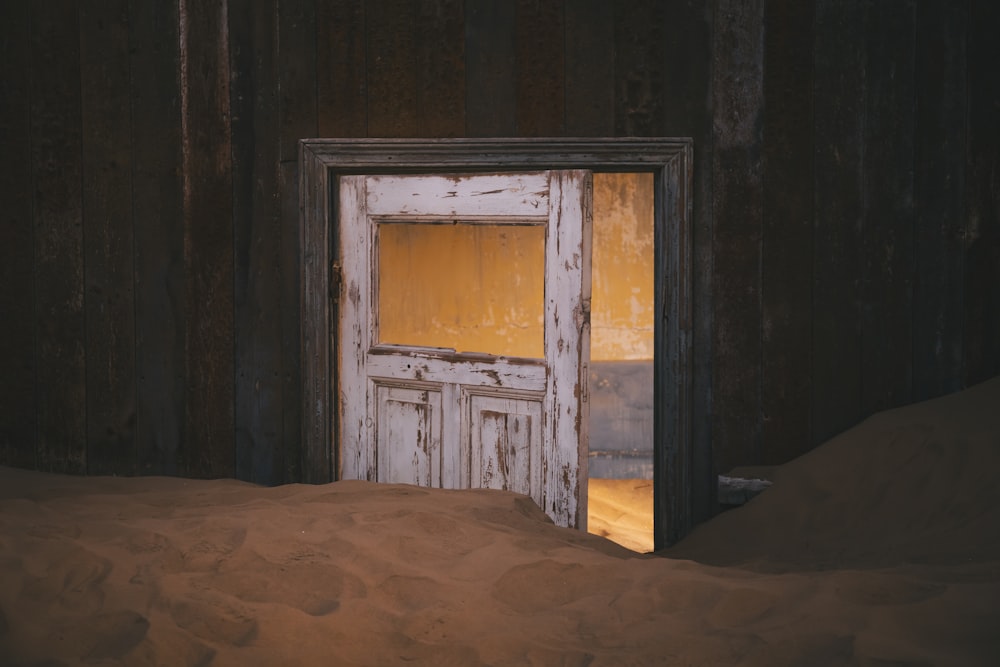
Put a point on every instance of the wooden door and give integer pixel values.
(433, 267)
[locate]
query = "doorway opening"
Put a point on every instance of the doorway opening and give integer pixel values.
(620, 491)
(680, 479)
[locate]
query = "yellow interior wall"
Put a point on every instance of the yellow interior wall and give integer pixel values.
(480, 288)
(473, 288)
(621, 318)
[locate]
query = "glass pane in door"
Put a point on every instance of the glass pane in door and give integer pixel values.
(470, 287)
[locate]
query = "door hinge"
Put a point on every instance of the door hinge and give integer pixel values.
(336, 281)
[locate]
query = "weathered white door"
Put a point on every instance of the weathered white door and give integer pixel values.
(435, 266)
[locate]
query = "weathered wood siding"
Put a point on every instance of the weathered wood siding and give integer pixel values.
(846, 201)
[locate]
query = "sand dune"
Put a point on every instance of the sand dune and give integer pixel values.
(911, 485)
(880, 548)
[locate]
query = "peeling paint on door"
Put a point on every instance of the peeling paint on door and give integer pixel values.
(441, 416)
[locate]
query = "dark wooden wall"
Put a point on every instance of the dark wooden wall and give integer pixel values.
(847, 203)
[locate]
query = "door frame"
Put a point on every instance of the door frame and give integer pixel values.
(322, 161)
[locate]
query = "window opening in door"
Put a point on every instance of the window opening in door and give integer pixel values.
(620, 497)
(468, 287)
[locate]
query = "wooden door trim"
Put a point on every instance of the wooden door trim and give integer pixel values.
(323, 161)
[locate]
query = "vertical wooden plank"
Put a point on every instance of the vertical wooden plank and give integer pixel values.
(317, 370)
(887, 310)
(590, 68)
(541, 73)
(297, 120)
(206, 147)
(941, 104)
(58, 245)
(490, 85)
(455, 464)
(17, 257)
(257, 242)
(786, 264)
(981, 324)
(355, 456)
(291, 327)
(441, 68)
(686, 55)
(156, 210)
(582, 315)
(341, 84)
(786, 252)
(682, 475)
(107, 211)
(297, 88)
(391, 42)
(297, 62)
(839, 58)
(737, 64)
(418, 81)
(640, 59)
(688, 113)
(567, 347)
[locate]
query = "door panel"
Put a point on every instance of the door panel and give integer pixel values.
(506, 443)
(407, 434)
(437, 416)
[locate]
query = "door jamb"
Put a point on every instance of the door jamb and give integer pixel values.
(322, 161)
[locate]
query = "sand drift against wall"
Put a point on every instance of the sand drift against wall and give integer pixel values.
(880, 547)
(911, 485)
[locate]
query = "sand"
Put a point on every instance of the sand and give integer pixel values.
(882, 547)
(622, 511)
